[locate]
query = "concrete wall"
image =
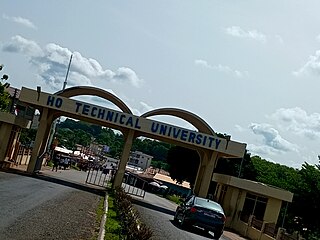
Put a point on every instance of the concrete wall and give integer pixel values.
(272, 211)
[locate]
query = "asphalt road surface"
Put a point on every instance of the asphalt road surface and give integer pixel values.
(158, 214)
(32, 208)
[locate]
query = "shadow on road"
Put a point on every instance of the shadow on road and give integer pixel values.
(194, 230)
(153, 207)
(71, 184)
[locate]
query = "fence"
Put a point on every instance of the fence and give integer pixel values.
(269, 230)
(99, 178)
(134, 185)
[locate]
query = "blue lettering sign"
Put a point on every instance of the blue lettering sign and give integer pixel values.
(163, 129)
(198, 139)
(109, 116)
(137, 126)
(129, 122)
(204, 140)
(56, 102)
(116, 118)
(94, 111)
(210, 141)
(78, 106)
(192, 135)
(85, 109)
(50, 100)
(184, 134)
(154, 127)
(176, 132)
(101, 113)
(122, 117)
(218, 141)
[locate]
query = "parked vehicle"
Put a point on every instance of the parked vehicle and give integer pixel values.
(201, 212)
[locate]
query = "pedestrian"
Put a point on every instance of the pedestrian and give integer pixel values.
(56, 161)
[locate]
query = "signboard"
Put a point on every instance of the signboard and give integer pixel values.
(116, 118)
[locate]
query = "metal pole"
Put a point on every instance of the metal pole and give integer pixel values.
(65, 80)
(284, 215)
(240, 167)
(54, 124)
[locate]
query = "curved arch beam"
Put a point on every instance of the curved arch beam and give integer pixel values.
(195, 120)
(85, 90)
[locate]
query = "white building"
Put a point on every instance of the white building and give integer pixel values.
(140, 159)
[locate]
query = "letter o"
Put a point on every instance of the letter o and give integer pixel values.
(58, 102)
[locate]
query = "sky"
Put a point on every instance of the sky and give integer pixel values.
(250, 69)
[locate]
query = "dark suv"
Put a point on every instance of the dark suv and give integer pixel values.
(201, 212)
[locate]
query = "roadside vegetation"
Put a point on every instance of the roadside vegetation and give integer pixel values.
(113, 226)
(123, 221)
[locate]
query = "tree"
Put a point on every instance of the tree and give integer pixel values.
(4, 95)
(183, 164)
(237, 167)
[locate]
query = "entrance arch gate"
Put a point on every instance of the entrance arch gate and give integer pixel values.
(209, 146)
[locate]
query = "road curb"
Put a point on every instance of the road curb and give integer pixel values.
(104, 219)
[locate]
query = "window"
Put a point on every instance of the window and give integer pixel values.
(222, 193)
(189, 201)
(253, 205)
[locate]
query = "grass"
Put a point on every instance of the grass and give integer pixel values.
(174, 198)
(99, 213)
(113, 227)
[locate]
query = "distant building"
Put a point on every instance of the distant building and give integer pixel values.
(140, 160)
(35, 121)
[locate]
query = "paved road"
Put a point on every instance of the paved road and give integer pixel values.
(158, 214)
(33, 208)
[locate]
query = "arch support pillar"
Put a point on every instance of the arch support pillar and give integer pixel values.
(40, 141)
(5, 132)
(124, 158)
(203, 180)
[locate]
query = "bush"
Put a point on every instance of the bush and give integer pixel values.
(132, 227)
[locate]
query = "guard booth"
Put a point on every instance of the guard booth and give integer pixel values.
(204, 140)
(18, 116)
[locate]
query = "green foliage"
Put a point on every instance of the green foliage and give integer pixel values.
(27, 136)
(71, 132)
(307, 197)
(183, 164)
(113, 227)
(237, 167)
(275, 174)
(160, 164)
(132, 227)
(159, 150)
(174, 198)
(4, 99)
(4, 96)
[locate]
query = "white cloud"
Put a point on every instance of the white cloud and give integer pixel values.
(312, 66)
(146, 107)
(261, 150)
(27, 47)
(237, 31)
(51, 63)
(20, 20)
(279, 39)
(297, 121)
(221, 68)
(272, 138)
(239, 128)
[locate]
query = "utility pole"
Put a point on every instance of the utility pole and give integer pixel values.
(54, 125)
